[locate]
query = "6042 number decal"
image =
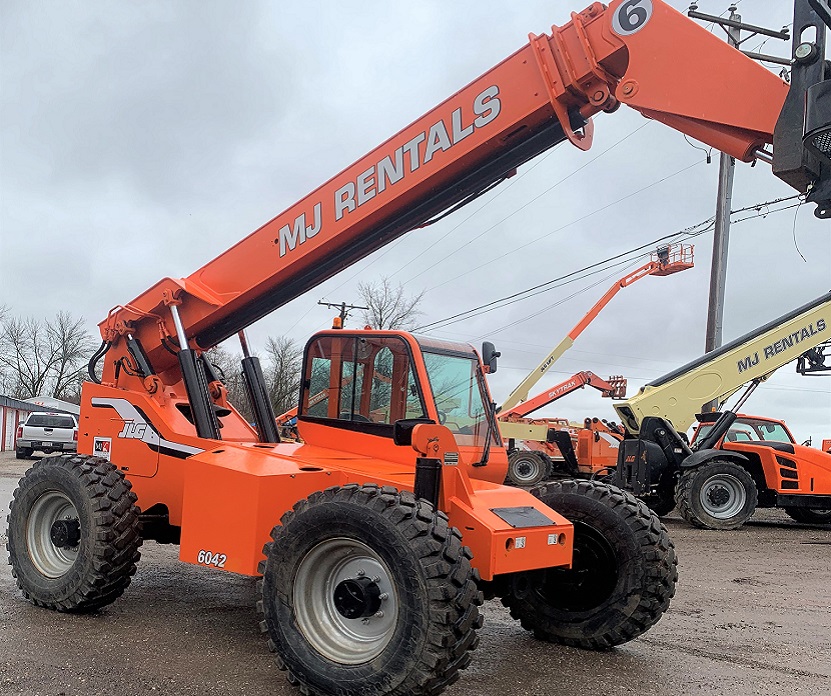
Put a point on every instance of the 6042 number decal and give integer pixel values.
(211, 559)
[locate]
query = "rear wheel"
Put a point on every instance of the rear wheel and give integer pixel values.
(73, 533)
(23, 452)
(718, 495)
(622, 578)
(527, 468)
(368, 590)
(810, 516)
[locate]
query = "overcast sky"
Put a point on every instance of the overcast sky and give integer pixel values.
(140, 140)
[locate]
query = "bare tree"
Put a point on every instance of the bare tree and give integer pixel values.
(281, 369)
(389, 307)
(43, 358)
(285, 359)
(230, 372)
(75, 345)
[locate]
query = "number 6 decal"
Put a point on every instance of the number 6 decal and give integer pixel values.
(631, 16)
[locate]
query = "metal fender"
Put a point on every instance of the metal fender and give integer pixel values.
(707, 455)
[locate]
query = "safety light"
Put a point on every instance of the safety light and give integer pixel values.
(817, 136)
(337, 323)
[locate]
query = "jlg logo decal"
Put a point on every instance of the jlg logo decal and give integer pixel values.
(133, 431)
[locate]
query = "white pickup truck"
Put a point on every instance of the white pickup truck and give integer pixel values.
(47, 432)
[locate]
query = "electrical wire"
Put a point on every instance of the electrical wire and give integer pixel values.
(601, 266)
(568, 224)
(522, 207)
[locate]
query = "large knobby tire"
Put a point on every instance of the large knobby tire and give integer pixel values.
(367, 590)
(623, 575)
(74, 533)
(717, 495)
(527, 468)
(810, 516)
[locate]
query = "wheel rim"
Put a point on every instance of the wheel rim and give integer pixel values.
(592, 578)
(526, 469)
(345, 601)
(723, 496)
(53, 517)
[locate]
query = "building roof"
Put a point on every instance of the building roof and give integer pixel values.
(50, 403)
(9, 402)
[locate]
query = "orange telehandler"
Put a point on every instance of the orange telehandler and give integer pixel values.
(540, 447)
(377, 537)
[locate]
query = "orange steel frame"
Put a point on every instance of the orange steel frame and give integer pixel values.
(226, 494)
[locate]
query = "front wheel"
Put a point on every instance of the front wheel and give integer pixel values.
(368, 590)
(717, 495)
(810, 516)
(527, 468)
(622, 578)
(73, 533)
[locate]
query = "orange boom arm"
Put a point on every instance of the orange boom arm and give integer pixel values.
(543, 94)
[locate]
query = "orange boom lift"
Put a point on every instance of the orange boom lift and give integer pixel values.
(540, 447)
(378, 535)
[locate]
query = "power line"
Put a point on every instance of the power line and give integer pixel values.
(568, 224)
(522, 207)
(763, 210)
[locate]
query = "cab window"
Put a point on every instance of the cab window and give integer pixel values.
(360, 380)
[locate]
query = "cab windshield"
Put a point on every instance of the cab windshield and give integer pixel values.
(750, 430)
(456, 383)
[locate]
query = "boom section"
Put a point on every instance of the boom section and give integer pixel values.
(665, 261)
(681, 394)
(544, 93)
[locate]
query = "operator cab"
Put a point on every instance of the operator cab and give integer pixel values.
(365, 381)
(747, 429)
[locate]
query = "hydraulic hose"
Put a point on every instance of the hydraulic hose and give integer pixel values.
(93, 361)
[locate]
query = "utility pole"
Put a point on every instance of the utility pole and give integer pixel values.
(733, 25)
(344, 309)
(721, 235)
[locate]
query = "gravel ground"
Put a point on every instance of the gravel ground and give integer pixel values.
(752, 615)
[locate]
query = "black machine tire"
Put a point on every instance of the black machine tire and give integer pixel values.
(622, 580)
(717, 495)
(809, 515)
(417, 582)
(527, 468)
(663, 502)
(23, 452)
(87, 505)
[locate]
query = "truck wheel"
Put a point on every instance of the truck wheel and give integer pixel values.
(810, 516)
(23, 452)
(717, 495)
(526, 468)
(73, 533)
(623, 575)
(368, 590)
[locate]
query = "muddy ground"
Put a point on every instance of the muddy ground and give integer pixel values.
(752, 615)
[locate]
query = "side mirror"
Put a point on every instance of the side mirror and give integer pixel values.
(489, 356)
(402, 430)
